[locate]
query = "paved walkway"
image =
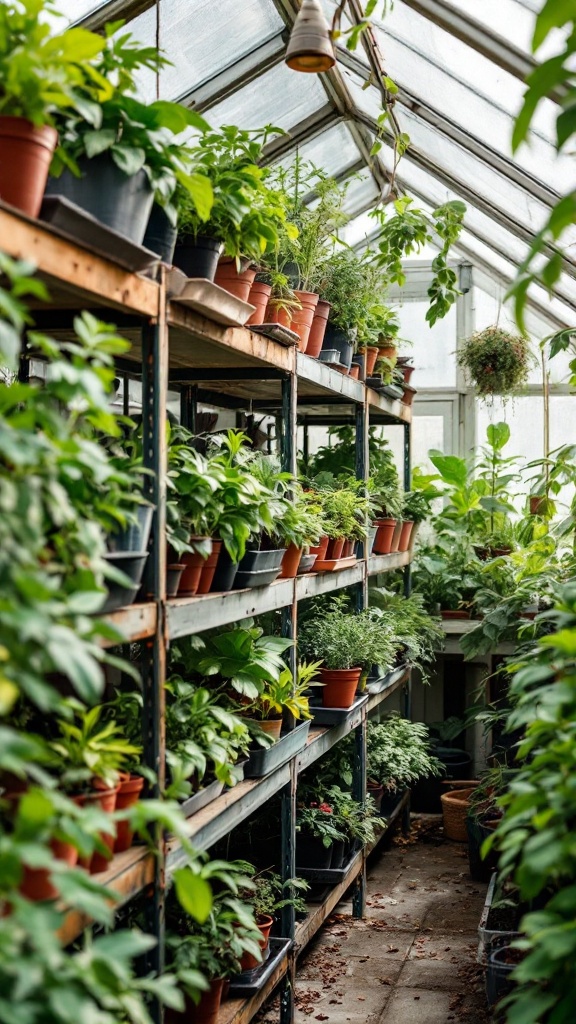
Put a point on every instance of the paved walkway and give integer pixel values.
(413, 960)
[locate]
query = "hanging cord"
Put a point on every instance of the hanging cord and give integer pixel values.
(158, 47)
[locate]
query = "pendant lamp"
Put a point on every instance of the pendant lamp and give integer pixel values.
(310, 47)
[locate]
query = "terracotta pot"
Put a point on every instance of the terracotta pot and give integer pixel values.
(190, 579)
(290, 562)
(320, 549)
(371, 353)
(237, 283)
(208, 1008)
(302, 318)
(249, 962)
(259, 295)
(407, 372)
(387, 351)
(384, 536)
(354, 371)
(395, 545)
(335, 547)
(106, 797)
(318, 329)
(409, 394)
(278, 315)
(209, 568)
(271, 726)
(36, 884)
(340, 686)
(25, 154)
(405, 534)
(348, 549)
(129, 792)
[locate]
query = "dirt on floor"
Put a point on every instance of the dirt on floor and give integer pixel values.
(413, 959)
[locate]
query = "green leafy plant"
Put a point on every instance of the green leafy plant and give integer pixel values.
(398, 753)
(345, 510)
(318, 820)
(285, 694)
(496, 361)
(88, 749)
(341, 641)
(270, 894)
(242, 659)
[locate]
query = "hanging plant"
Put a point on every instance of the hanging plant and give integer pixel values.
(496, 361)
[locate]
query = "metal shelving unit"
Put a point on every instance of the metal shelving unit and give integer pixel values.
(229, 367)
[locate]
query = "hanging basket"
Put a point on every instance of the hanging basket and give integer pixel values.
(496, 361)
(454, 811)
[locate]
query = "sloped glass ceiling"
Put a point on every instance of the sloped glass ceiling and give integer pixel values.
(457, 106)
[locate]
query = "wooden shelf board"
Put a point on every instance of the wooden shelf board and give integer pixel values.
(187, 615)
(199, 343)
(240, 1011)
(307, 929)
(128, 874)
(74, 275)
(135, 622)
(323, 738)
(313, 584)
(376, 699)
(388, 406)
(316, 379)
(386, 563)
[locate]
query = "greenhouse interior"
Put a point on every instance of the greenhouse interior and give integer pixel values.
(287, 511)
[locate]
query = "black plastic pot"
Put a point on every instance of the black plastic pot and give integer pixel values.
(339, 851)
(360, 360)
(257, 561)
(390, 802)
(498, 981)
(480, 870)
(120, 201)
(136, 535)
(251, 580)
(197, 257)
(311, 852)
(160, 236)
(225, 574)
(426, 793)
(329, 355)
(132, 565)
(336, 338)
(173, 577)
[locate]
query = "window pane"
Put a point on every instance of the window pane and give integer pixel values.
(432, 349)
(277, 97)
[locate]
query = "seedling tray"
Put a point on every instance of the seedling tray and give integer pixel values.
(250, 982)
(334, 564)
(328, 876)
(335, 716)
(200, 799)
(277, 332)
(383, 682)
(262, 762)
(209, 299)
(72, 222)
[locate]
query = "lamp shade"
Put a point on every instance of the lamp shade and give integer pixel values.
(310, 47)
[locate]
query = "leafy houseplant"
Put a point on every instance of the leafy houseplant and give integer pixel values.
(496, 361)
(398, 753)
(115, 168)
(42, 76)
(345, 644)
(282, 695)
(317, 830)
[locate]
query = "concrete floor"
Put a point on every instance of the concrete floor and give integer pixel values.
(413, 959)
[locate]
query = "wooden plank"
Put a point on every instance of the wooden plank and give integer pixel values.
(189, 615)
(215, 820)
(316, 378)
(135, 623)
(386, 563)
(86, 277)
(313, 584)
(388, 407)
(307, 929)
(198, 342)
(240, 1011)
(128, 874)
(376, 698)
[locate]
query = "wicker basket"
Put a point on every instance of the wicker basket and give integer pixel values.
(454, 810)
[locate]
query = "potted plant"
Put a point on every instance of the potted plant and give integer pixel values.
(346, 644)
(280, 696)
(246, 213)
(398, 754)
(359, 822)
(301, 526)
(345, 512)
(268, 896)
(115, 169)
(496, 361)
(415, 509)
(43, 75)
(316, 833)
(342, 282)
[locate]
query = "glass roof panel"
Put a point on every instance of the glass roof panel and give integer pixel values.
(75, 10)
(204, 40)
(333, 150)
(511, 19)
(361, 193)
(277, 97)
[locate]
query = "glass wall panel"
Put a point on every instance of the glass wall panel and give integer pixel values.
(432, 348)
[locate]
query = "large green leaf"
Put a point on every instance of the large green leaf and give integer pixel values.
(194, 894)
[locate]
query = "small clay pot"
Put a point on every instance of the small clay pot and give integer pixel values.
(264, 925)
(259, 295)
(371, 353)
(238, 283)
(354, 371)
(320, 549)
(190, 579)
(384, 536)
(340, 685)
(405, 535)
(25, 153)
(209, 568)
(106, 797)
(395, 546)
(335, 547)
(129, 791)
(278, 315)
(302, 318)
(318, 329)
(290, 561)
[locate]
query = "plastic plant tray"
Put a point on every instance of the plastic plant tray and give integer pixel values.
(258, 561)
(72, 222)
(277, 332)
(262, 762)
(250, 982)
(209, 299)
(383, 682)
(250, 580)
(307, 563)
(202, 798)
(334, 716)
(334, 564)
(329, 876)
